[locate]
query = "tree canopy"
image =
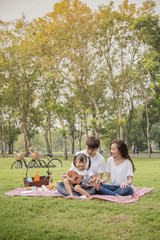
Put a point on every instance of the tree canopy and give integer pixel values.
(81, 72)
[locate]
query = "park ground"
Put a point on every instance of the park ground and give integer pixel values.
(36, 218)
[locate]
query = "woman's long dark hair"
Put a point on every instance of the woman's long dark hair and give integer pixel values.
(123, 149)
(81, 157)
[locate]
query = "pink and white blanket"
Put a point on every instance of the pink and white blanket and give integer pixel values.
(138, 192)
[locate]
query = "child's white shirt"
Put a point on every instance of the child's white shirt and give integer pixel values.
(97, 162)
(85, 173)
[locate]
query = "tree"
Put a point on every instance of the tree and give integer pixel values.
(149, 32)
(73, 24)
(118, 50)
(20, 71)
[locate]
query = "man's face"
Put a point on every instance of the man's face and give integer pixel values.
(91, 152)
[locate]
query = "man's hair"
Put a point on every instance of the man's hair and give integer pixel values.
(93, 142)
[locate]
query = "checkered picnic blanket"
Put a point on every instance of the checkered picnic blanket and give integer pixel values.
(138, 192)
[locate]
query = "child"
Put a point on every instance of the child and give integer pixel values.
(80, 167)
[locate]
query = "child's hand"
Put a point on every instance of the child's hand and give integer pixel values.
(64, 175)
(70, 179)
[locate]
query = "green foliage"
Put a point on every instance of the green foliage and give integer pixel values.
(78, 69)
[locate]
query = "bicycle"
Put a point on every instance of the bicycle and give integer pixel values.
(52, 163)
(20, 161)
(36, 162)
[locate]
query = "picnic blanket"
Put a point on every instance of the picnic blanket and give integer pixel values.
(138, 192)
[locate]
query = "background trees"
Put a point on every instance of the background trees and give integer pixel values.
(81, 73)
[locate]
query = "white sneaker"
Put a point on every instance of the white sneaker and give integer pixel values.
(83, 197)
(128, 196)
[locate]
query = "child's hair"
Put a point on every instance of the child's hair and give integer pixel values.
(81, 157)
(123, 149)
(93, 142)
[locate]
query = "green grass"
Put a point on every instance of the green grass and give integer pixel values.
(35, 218)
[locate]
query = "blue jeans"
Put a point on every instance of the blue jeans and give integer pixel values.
(114, 190)
(61, 189)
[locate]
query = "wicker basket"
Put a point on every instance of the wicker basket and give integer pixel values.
(19, 156)
(44, 180)
(34, 155)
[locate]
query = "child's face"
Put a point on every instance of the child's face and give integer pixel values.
(81, 165)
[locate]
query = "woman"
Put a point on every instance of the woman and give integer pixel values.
(120, 168)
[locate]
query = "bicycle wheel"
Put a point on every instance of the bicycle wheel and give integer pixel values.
(54, 162)
(31, 163)
(37, 164)
(17, 164)
(41, 163)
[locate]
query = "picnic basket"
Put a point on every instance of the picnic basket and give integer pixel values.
(34, 155)
(44, 180)
(19, 156)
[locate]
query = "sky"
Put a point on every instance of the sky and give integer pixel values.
(13, 9)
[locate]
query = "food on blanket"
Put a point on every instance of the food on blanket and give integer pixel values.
(49, 187)
(53, 185)
(29, 188)
(29, 179)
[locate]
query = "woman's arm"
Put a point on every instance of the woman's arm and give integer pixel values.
(128, 183)
(106, 178)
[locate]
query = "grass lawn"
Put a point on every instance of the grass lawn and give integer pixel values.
(35, 218)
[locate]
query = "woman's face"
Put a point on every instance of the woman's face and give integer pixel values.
(114, 151)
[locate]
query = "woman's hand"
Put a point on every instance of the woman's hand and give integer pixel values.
(128, 183)
(124, 185)
(99, 181)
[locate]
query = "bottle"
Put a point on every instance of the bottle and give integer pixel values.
(36, 177)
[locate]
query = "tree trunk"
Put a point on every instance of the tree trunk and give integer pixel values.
(73, 140)
(50, 134)
(80, 141)
(46, 140)
(4, 153)
(65, 148)
(86, 126)
(10, 147)
(2, 136)
(64, 137)
(97, 113)
(129, 122)
(23, 121)
(148, 138)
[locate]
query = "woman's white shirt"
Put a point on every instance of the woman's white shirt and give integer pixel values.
(119, 173)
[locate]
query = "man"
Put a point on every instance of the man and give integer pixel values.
(97, 165)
